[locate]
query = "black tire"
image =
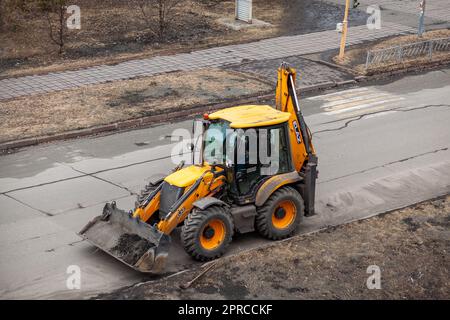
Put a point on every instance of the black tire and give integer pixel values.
(197, 224)
(264, 222)
(149, 188)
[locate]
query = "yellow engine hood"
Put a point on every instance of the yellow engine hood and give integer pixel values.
(186, 176)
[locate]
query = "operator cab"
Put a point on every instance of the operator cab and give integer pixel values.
(251, 143)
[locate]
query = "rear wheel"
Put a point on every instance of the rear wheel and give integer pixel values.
(149, 188)
(207, 233)
(279, 217)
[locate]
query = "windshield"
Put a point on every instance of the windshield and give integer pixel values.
(216, 142)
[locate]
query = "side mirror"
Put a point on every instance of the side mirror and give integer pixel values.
(190, 146)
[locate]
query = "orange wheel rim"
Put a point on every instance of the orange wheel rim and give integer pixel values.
(213, 234)
(284, 214)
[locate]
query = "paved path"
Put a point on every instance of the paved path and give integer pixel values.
(215, 57)
(309, 73)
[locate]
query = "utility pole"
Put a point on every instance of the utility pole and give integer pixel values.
(421, 18)
(344, 30)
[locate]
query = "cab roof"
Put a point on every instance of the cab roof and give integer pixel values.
(250, 116)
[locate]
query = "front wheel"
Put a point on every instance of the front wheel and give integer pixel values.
(279, 217)
(207, 233)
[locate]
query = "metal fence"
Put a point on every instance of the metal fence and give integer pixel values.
(407, 51)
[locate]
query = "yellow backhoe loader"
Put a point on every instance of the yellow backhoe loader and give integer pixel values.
(234, 190)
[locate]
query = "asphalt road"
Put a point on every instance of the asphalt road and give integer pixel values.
(380, 147)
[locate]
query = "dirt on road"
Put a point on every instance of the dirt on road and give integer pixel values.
(409, 246)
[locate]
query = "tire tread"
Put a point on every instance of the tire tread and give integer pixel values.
(194, 222)
(263, 221)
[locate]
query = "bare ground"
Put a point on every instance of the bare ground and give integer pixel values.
(85, 107)
(356, 58)
(411, 247)
(114, 31)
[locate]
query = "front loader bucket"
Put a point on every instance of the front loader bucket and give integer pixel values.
(128, 239)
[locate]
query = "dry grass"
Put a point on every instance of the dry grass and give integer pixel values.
(355, 58)
(106, 103)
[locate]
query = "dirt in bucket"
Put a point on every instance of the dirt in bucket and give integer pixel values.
(130, 247)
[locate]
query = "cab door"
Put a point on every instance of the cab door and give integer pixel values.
(261, 153)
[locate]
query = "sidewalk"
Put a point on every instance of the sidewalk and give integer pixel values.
(273, 48)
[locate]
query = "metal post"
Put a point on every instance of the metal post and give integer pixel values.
(430, 49)
(421, 18)
(367, 59)
(344, 30)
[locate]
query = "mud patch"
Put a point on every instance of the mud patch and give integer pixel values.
(412, 225)
(233, 290)
(416, 222)
(134, 97)
(130, 247)
(303, 16)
